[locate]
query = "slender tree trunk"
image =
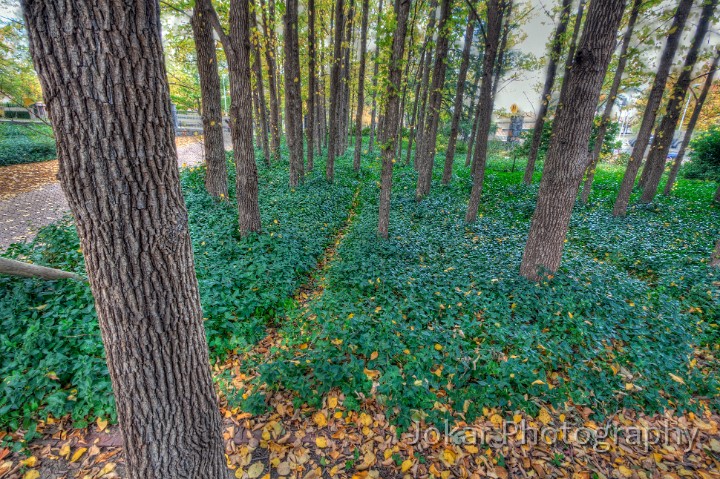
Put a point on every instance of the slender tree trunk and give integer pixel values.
(716, 198)
(567, 155)
(335, 91)
(420, 126)
(457, 107)
(26, 270)
(268, 21)
(668, 125)
(485, 105)
(376, 67)
(418, 85)
(426, 152)
(500, 62)
(216, 179)
(573, 45)
(257, 70)
(471, 114)
(293, 99)
(555, 51)
(312, 130)
(392, 107)
(610, 102)
(346, 79)
(103, 76)
(715, 258)
(691, 124)
(361, 85)
(651, 109)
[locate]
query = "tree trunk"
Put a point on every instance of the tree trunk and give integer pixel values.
(610, 102)
(335, 91)
(651, 109)
(426, 150)
(345, 82)
(376, 67)
(555, 52)
(691, 124)
(27, 270)
(715, 258)
(312, 129)
(459, 92)
(485, 105)
(257, 70)
(103, 76)
(293, 99)
(268, 21)
(573, 45)
(567, 155)
(668, 124)
(216, 179)
(418, 85)
(361, 85)
(471, 114)
(425, 81)
(500, 62)
(392, 107)
(716, 198)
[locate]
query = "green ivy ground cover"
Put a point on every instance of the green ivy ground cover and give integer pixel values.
(25, 143)
(52, 356)
(438, 315)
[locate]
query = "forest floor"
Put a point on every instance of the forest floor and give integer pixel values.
(425, 356)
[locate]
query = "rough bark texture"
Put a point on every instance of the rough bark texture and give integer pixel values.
(312, 129)
(651, 109)
(555, 50)
(103, 76)
(361, 85)
(392, 109)
(459, 95)
(426, 148)
(691, 124)
(471, 114)
(610, 102)
(216, 179)
(335, 91)
(414, 117)
(567, 155)
(484, 106)
(376, 67)
(27, 270)
(293, 99)
(268, 21)
(661, 145)
(260, 89)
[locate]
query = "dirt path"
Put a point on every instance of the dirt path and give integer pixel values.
(31, 197)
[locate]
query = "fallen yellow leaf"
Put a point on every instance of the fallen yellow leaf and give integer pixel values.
(78, 454)
(321, 442)
(406, 465)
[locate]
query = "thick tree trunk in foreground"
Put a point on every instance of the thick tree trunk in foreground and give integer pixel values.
(661, 145)
(555, 51)
(392, 110)
(426, 147)
(610, 102)
(691, 124)
(651, 109)
(335, 92)
(361, 85)
(312, 129)
(376, 68)
(567, 155)
(459, 93)
(293, 100)
(268, 21)
(102, 72)
(27, 270)
(493, 26)
(216, 179)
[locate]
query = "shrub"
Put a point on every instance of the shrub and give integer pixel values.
(705, 164)
(23, 143)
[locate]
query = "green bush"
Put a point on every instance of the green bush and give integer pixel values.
(705, 164)
(24, 143)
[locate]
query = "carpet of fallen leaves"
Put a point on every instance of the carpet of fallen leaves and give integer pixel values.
(16, 179)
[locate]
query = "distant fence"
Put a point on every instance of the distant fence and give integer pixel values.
(190, 123)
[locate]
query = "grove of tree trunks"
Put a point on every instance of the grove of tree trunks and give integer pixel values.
(312, 101)
(376, 68)
(103, 77)
(293, 99)
(556, 48)
(651, 109)
(216, 179)
(257, 70)
(361, 85)
(392, 110)
(268, 21)
(655, 165)
(335, 91)
(610, 101)
(566, 158)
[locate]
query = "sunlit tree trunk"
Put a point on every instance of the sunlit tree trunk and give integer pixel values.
(216, 179)
(556, 48)
(376, 68)
(312, 127)
(459, 95)
(484, 106)
(567, 154)
(610, 102)
(651, 109)
(293, 99)
(668, 124)
(392, 109)
(361, 85)
(691, 123)
(102, 73)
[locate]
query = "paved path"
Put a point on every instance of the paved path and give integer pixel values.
(23, 215)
